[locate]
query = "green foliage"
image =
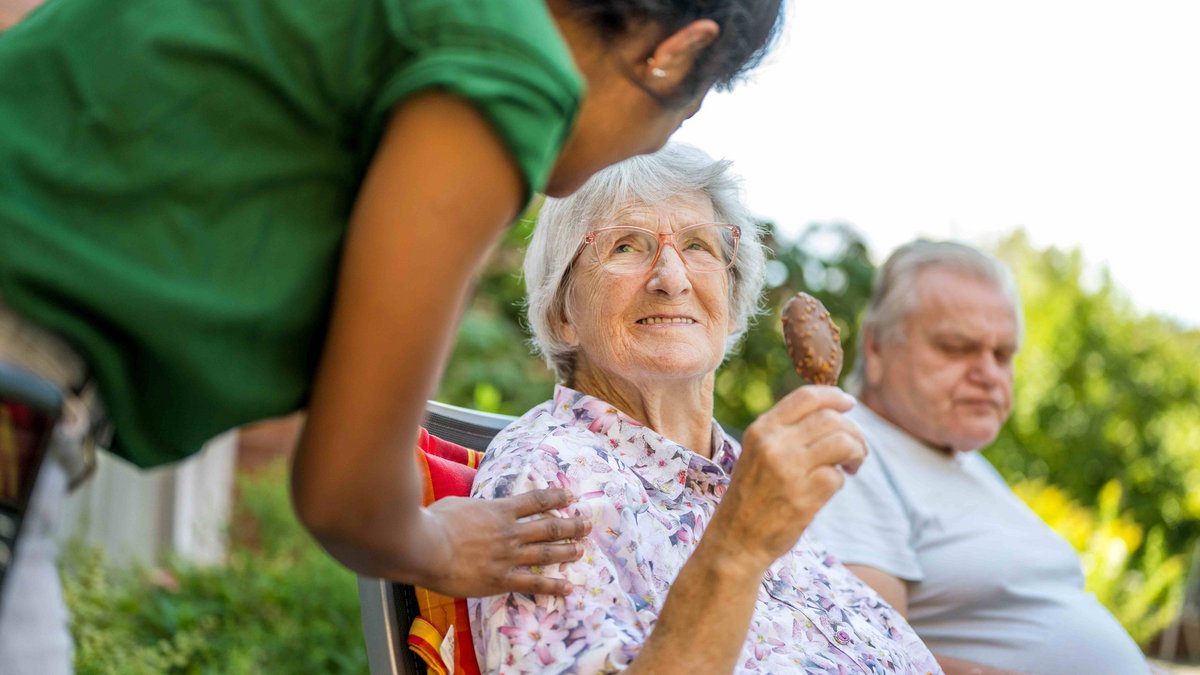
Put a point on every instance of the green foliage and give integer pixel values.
(1102, 393)
(1143, 591)
(830, 262)
(492, 367)
(109, 637)
(280, 605)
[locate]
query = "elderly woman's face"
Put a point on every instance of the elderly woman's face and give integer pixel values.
(666, 323)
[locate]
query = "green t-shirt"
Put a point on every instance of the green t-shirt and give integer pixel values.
(176, 177)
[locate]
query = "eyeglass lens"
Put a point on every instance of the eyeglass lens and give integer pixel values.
(704, 248)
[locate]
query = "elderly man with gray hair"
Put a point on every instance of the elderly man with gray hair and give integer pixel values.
(927, 522)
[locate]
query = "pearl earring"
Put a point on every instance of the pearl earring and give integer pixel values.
(655, 71)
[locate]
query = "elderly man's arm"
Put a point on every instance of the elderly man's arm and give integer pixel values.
(895, 591)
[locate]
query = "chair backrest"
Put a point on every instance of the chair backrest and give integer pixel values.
(388, 609)
(29, 408)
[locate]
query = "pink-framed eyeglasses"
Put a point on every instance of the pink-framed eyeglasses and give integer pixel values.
(626, 249)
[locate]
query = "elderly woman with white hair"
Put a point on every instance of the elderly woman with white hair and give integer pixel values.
(639, 286)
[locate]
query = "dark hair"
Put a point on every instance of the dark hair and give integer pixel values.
(748, 30)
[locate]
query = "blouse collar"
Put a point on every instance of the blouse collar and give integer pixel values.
(662, 463)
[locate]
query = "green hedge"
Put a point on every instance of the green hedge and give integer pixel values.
(280, 605)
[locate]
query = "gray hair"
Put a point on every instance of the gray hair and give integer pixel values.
(674, 171)
(893, 297)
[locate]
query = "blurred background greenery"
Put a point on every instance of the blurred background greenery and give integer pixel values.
(1103, 444)
(278, 605)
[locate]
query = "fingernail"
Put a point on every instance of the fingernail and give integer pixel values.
(578, 550)
(568, 589)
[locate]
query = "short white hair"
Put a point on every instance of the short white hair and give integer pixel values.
(673, 172)
(894, 295)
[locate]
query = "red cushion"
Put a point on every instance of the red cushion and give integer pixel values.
(451, 467)
(449, 470)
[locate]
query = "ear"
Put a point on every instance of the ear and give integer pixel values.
(567, 333)
(873, 365)
(671, 61)
(566, 329)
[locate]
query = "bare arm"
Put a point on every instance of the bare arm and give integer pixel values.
(440, 189)
(707, 613)
(895, 591)
(787, 471)
(890, 588)
(12, 11)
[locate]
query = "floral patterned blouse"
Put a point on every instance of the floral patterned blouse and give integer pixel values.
(649, 500)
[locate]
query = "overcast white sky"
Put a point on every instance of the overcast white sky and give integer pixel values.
(1078, 120)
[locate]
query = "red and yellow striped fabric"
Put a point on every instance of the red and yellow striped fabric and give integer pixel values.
(22, 435)
(448, 469)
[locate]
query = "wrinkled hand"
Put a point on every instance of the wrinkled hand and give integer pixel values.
(792, 462)
(477, 547)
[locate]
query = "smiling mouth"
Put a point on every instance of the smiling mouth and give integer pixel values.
(658, 320)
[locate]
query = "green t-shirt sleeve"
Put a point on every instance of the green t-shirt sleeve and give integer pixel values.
(506, 58)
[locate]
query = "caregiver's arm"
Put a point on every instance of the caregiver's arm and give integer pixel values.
(441, 188)
(788, 469)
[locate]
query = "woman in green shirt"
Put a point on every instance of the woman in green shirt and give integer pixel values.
(231, 210)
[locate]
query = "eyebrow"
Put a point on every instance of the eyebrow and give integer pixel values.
(951, 334)
(963, 338)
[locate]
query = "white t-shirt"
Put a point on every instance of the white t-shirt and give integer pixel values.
(988, 581)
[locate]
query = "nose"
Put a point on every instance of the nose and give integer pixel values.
(986, 370)
(668, 275)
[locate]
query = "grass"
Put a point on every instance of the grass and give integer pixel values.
(279, 605)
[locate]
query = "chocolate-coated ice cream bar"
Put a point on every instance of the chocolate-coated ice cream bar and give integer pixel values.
(813, 339)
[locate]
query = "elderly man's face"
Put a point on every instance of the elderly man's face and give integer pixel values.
(668, 323)
(949, 382)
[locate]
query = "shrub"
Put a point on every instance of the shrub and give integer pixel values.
(280, 604)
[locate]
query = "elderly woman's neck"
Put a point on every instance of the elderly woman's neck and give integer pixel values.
(678, 410)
